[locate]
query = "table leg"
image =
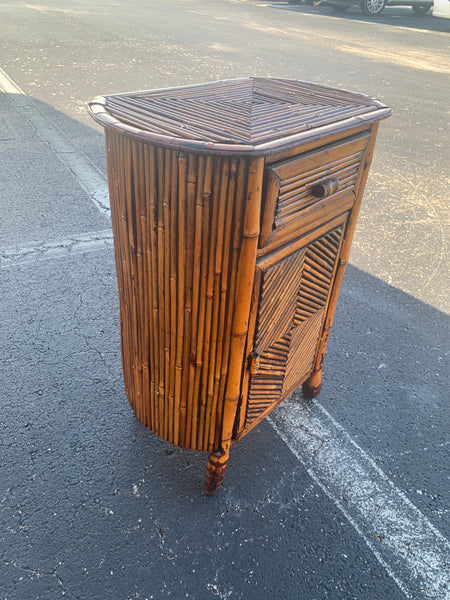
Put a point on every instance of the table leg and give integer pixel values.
(215, 471)
(312, 386)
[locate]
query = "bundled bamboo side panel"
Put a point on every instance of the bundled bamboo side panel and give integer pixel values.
(182, 237)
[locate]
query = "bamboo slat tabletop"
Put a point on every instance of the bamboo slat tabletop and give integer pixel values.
(246, 112)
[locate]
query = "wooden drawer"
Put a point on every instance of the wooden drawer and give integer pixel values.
(320, 184)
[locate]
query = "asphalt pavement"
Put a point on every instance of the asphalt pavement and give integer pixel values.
(345, 497)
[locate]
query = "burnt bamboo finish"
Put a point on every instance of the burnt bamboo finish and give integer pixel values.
(233, 208)
(179, 226)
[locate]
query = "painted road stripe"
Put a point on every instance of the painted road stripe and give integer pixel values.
(31, 253)
(82, 168)
(414, 553)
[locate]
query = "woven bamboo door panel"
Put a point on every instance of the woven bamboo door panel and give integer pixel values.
(291, 312)
(178, 225)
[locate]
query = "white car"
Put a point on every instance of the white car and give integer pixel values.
(441, 8)
(372, 8)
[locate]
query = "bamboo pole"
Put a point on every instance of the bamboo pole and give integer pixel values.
(162, 199)
(146, 359)
(152, 232)
(158, 165)
(215, 471)
(238, 218)
(191, 186)
(136, 204)
(227, 218)
(173, 287)
(244, 287)
(131, 256)
(165, 210)
(212, 226)
(149, 289)
(197, 233)
(211, 402)
(124, 253)
(182, 176)
(205, 225)
(312, 386)
(250, 341)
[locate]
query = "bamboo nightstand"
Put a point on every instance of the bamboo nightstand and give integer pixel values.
(233, 208)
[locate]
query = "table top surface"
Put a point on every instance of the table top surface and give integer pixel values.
(250, 115)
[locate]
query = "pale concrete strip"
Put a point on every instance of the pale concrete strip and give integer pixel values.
(77, 244)
(86, 173)
(414, 553)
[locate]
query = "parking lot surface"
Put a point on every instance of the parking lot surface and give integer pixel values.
(345, 497)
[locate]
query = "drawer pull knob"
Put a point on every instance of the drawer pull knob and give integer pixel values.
(325, 187)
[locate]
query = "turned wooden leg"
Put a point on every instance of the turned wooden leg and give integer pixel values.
(215, 471)
(312, 386)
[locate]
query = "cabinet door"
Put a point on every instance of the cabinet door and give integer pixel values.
(293, 298)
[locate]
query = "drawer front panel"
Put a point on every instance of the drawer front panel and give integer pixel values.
(315, 178)
(292, 304)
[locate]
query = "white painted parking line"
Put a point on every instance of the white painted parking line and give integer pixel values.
(86, 173)
(414, 553)
(28, 254)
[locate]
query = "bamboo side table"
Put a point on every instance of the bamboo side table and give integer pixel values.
(233, 208)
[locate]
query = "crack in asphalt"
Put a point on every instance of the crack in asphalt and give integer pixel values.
(37, 572)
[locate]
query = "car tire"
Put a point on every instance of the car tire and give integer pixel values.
(372, 8)
(421, 9)
(339, 8)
